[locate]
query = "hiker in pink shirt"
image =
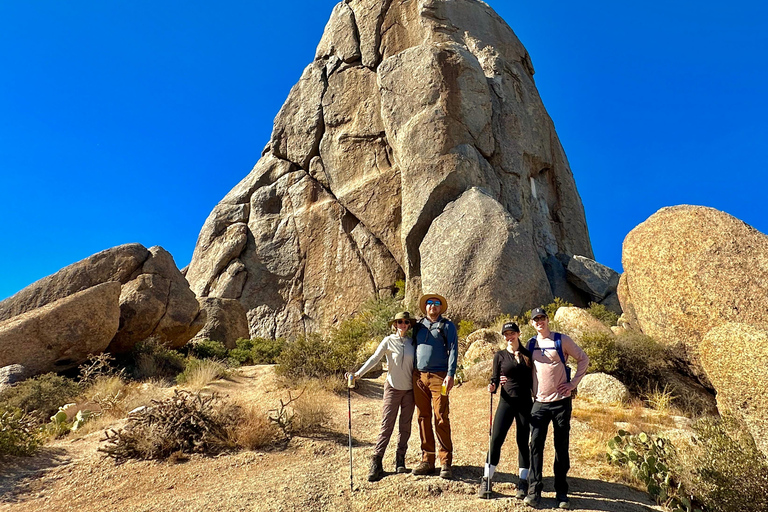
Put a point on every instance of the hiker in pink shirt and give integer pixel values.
(552, 390)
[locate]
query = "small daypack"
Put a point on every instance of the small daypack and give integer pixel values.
(559, 347)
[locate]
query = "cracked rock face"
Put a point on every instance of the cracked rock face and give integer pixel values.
(108, 301)
(407, 108)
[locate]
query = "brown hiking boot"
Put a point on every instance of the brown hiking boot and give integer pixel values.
(424, 468)
(376, 471)
(446, 472)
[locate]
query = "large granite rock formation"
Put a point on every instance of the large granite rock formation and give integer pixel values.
(153, 300)
(689, 269)
(407, 107)
(226, 321)
(740, 381)
(61, 334)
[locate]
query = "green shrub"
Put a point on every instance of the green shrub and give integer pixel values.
(465, 328)
(603, 314)
(19, 434)
(312, 356)
(209, 349)
(601, 349)
(40, 397)
(640, 362)
(265, 350)
(153, 359)
(725, 470)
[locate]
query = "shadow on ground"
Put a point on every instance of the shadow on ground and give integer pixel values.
(17, 472)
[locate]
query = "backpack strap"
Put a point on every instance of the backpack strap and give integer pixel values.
(558, 339)
(531, 344)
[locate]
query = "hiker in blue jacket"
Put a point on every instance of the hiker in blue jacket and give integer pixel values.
(437, 345)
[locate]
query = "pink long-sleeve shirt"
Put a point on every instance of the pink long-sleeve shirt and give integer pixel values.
(549, 370)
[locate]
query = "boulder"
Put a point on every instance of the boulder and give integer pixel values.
(157, 303)
(592, 277)
(407, 108)
(483, 344)
(63, 333)
(740, 381)
(576, 322)
(115, 264)
(690, 269)
(476, 252)
(603, 388)
(12, 374)
(226, 321)
(480, 371)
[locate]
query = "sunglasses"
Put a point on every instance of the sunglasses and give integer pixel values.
(434, 302)
(539, 318)
(403, 322)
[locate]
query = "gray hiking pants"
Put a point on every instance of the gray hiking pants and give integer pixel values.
(394, 400)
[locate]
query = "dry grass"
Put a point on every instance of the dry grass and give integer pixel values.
(310, 411)
(201, 372)
(253, 429)
(660, 399)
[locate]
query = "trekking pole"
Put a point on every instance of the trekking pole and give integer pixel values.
(350, 385)
(490, 432)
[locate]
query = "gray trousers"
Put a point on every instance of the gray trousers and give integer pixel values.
(394, 400)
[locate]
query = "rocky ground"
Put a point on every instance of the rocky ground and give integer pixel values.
(311, 474)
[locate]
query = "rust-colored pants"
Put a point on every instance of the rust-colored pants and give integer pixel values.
(426, 393)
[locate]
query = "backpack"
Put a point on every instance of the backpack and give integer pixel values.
(440, 328)
(559, 347)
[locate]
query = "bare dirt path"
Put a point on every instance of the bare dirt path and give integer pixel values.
(311, 474)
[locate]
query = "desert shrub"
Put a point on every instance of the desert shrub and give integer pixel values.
(640, 361)
(400, 290)
(603, 314)
(312, 356)
(208, 349)
(198, 373)
(153, 359)
(186, 422)
(660, 398)
(552, 308)
(253, 429)
(465, 328)
(376, 315)
(601, 349)
(40, 397)
(724, 469)
(96, 366)
(19, 433)
(256, 351)
(302, 414)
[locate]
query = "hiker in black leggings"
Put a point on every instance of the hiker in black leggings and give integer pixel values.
(511, 370)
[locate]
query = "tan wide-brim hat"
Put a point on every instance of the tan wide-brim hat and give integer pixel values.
(427, 296)
(403, 315)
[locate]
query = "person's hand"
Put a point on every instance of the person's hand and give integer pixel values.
(491, 387)
(503, 380)
(354, 375)
(565, 388)
(448, 383)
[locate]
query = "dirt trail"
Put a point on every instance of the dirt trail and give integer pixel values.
(312, 474)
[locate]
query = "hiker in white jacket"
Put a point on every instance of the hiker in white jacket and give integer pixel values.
(398, 391)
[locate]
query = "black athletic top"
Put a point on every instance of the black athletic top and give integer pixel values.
(519, 375)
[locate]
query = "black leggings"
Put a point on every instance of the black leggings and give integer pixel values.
(512, 409)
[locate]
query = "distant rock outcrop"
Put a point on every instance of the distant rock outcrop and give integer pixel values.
(689, 269)
(408, 107)
(735, 357)
(69, 313)
(61, 334)
(225, 322)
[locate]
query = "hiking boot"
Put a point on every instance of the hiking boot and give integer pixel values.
(400, 464)
(446, 472)
(522, 489)
(562, 502)
(532, 500)
(376, 471)
(485, 488)
(424, 468)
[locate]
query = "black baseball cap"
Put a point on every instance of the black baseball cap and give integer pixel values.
(510, 326)
(538, 312)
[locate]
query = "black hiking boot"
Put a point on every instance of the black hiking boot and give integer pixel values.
(376, 471)
(522, 489)
(400, 464)
(484, 491)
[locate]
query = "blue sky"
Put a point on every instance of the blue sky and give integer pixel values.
(127, 121)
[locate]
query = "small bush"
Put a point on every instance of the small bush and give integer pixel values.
(198, 373)
(253, 430)
(208, 349)
(601, 349)
(257, 351)
(312, 356)
(465, 328)
(724, 469)
(311, 413)
(640, 361)
(40, 397)
(97, 366)
(660, 399)
(603, 314)
(186, 422)
(553, 306)
(153, 359)
(19, 434)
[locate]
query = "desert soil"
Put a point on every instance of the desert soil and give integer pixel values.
(310, 474)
